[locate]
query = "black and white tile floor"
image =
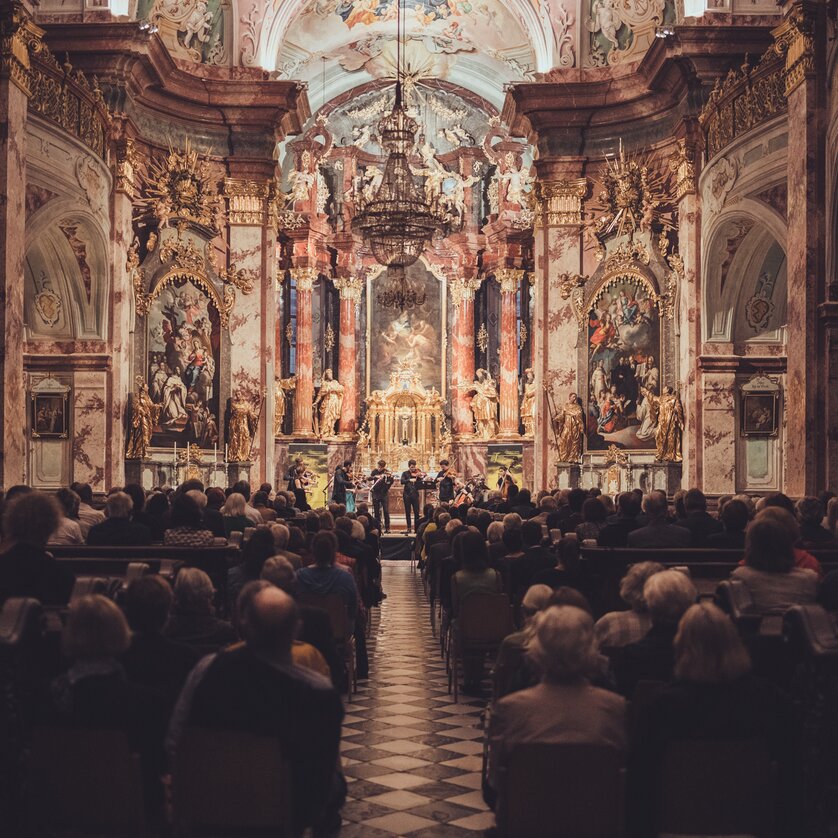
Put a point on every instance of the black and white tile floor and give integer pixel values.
(411, 756)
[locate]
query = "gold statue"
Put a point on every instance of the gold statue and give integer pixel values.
(484, 404)
(281, 385)
(670, 427)
(243, 420)
(570, 428)
(330, 401)
(143, 418)
(528, 403)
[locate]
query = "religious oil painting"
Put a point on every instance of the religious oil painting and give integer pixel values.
(412, 337)
(624, 364)
(183, 359)
(759, 414)
(49, 416)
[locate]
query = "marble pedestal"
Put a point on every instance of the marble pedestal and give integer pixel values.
(635, 471)
(161, 470)
(568, 475)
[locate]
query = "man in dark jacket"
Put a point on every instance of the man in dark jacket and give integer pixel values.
(118, 530)
(658, 532)
(615, 533)
(698, 521)
(256, 689)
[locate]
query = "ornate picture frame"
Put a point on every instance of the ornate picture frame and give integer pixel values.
(760, 413)
(49, 417)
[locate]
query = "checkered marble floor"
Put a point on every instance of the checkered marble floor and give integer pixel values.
(411, 756)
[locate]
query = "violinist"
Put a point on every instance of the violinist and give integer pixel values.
(411, 480)
(298, 480)
(505, 483)
(341, 482)
(382, 480)
(445, 479)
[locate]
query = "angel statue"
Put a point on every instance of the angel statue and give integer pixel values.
(528, 403)
(144, 416)
(281, 385)
(484, 404)
(243, 421)
(670, 427)
(330, 401)
(570, 429)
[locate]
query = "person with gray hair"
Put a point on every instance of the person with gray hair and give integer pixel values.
(658, 532)
(620, 628)
(668, 595)
(282, 535)
(564, 706)
(118, 530)
(193, 621)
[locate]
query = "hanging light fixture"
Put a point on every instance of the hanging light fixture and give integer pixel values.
(397, 222)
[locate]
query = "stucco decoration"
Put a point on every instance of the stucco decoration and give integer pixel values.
(621, 31)
(718, 185)
(195, 30)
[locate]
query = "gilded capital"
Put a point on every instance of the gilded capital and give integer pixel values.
(304, 278)
(350, 288)
(463, 290)
(682, 165)
(247, 200)
(560, 202)
(509, 279)
(794, 40)
(19, 39)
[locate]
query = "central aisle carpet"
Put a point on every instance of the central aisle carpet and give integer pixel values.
(411, 756)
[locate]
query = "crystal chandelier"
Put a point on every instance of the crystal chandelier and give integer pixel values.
(397, 222)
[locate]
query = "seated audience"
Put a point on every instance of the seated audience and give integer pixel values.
(186, 523)
(658, 532)
(773, 581)
(26, 568)
(138, 496)
(324, 577)
(258, 548)
(153, 660)
(243, 488)
(474, 575)
(157, 516)
(713, 697)
(698, 520)
(261, 504)
(118, 530)
(593, 520)
(235, 519)
(668, 595)
(282, 535)
(734, 517)
(572, 513)
(88, 516)
(282, 508)
(523, 505)
(563, 707)
(211, 511)
(68, 530)
(257, 689)
(813, 534)
(616, 531)
(193, 621)
(621, 628)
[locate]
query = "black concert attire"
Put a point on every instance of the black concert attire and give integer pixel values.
(382, 481)
(410, 494)
(446, 486)
(340, 483)
(295, 485)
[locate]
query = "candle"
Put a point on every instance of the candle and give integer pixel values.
(225, 452)
(215, 454)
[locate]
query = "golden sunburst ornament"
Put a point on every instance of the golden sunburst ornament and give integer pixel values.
(179, 187)
(631, 197)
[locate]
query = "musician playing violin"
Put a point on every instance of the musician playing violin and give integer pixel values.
(411, 480)
(445, 479)
(298, 479)
(382, 480)
(341, 481)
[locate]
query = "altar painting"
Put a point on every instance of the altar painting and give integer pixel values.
(411, 338)
(624, 340)
(184, 342)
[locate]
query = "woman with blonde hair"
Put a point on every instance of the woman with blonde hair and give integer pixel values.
(714, 697)
(235, 518)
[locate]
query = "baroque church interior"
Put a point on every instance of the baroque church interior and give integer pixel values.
(434, 260)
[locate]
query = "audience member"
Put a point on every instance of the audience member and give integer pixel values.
(622, 628)
(118, 530)
(157, 516)
(243, 488)
(616, 531)
(324, 577)
(258, 548)
(523, 505)
(186, 523)
(658, 532)
(698, 520)
(68, 530)
(261, 504)
(734, 518)
(235, 519)
(88, 516)
(193, 621)
(813, 534)
(593, 520)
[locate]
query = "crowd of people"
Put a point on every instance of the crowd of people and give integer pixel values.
(164, 655)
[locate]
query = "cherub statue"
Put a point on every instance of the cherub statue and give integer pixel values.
(197, 24)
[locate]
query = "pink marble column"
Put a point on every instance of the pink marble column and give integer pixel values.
(462, 358)
(304, 393)
(350, 296)
(19, 35)
(509, 280)
(802, 37)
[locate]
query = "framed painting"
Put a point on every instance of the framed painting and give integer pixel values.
(49, 416)
(760, 413)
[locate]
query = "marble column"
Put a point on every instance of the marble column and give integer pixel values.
(20, 36)
(252, 237)
(304, 394)
(462, 349)
(559, 259)
(509, 280)
(350, 289)
(801, 38)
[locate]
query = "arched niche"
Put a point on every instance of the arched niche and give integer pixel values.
(65, 275)
(745, 279)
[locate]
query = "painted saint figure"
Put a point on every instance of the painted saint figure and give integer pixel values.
(670, 427)
(570, 428)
